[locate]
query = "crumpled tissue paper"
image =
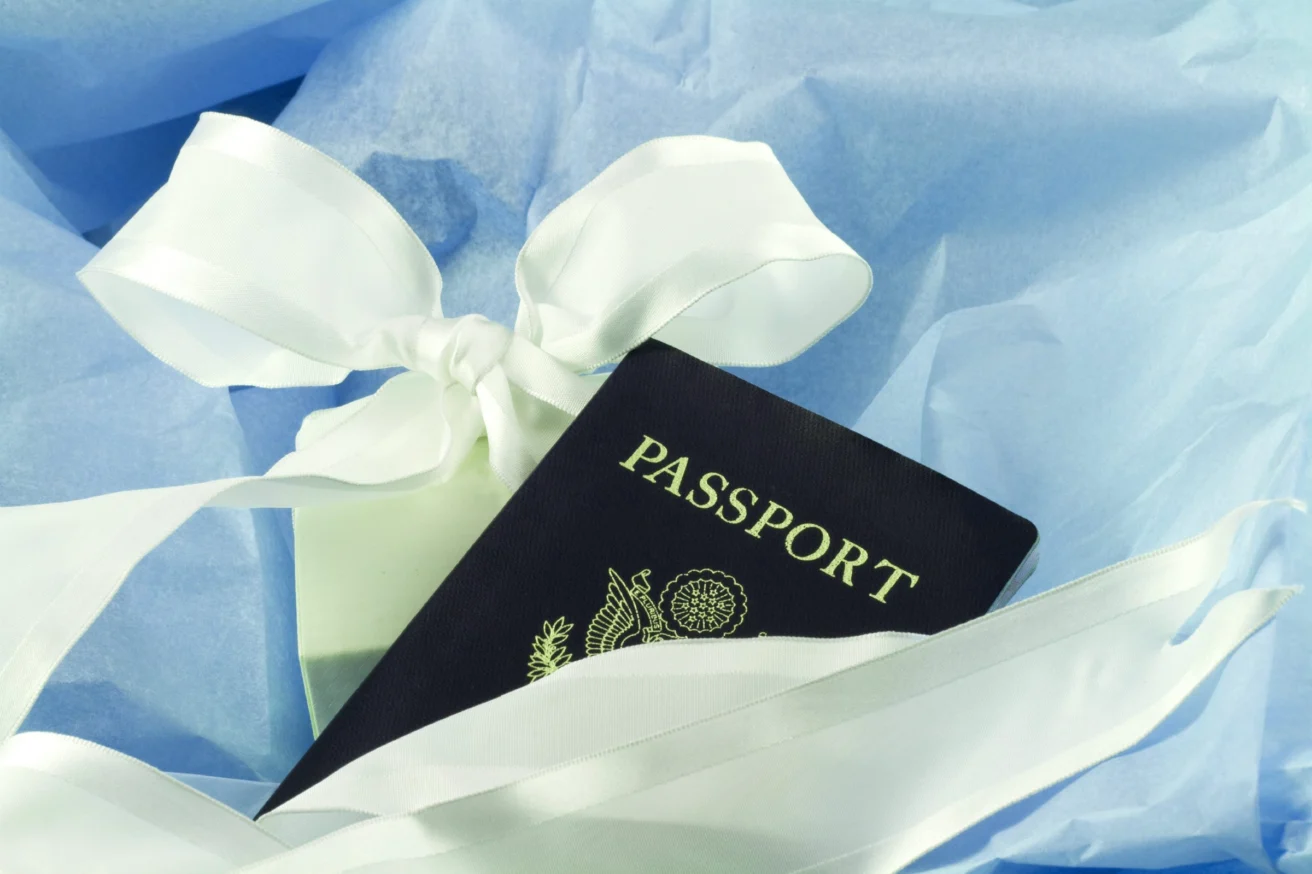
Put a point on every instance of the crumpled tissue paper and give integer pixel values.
(101, 95)
(1091, 229)
(193, 667)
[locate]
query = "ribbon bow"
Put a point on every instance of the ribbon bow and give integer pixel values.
(264, 262)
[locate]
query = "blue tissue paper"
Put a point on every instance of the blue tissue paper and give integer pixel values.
(76, 72)
(1090, 224)
(193, 666)
(100, 96)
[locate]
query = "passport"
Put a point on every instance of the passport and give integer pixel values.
(684, 502)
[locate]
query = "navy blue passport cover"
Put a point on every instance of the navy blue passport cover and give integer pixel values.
(684, 502)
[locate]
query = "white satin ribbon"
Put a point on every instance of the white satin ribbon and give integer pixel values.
(770, 755)
(264, 262)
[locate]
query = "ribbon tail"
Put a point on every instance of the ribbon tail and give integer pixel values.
(81, 807)
(65, 561)
(950, 729)
(508, 452)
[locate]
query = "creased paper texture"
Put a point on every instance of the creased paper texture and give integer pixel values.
(1089, 226)
(193, 668)
(102, 95)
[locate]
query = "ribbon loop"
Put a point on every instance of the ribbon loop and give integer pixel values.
(264, 262)
(701, 242)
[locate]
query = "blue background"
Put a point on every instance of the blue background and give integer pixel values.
(1090, 225)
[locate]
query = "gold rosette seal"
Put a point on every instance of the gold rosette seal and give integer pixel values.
(704, 603)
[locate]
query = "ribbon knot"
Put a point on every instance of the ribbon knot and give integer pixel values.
(463, 349)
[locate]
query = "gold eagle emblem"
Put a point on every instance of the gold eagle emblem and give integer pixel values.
(629, 614)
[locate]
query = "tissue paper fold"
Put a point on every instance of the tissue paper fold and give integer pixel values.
(1089, 222)
(193, 668)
